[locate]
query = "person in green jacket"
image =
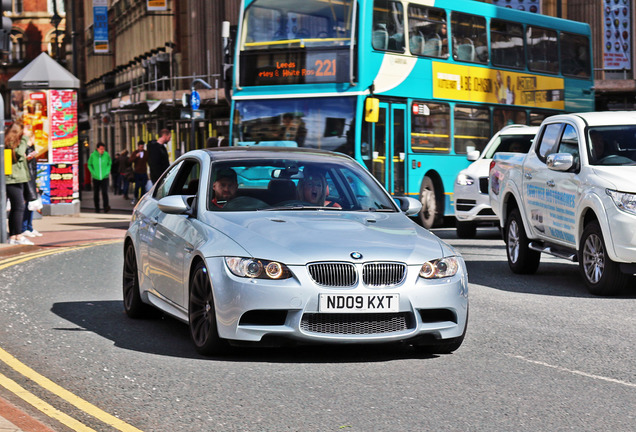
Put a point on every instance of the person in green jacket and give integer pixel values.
(99, 163)
(17, 140)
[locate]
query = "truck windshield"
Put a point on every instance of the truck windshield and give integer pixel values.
(327, 125)
(612, 145)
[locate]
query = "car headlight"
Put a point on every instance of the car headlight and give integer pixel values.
(464, 180)
(257, 268)
(440, 268)
(623, 200)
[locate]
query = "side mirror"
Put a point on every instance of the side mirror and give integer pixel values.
(174, 204)
(560, 161)
(408, 205)
(372, 110)
(473, 155)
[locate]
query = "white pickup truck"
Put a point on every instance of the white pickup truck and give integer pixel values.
(573, 195)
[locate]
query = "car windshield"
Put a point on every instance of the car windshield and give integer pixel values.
(612, 145)
(290, 184)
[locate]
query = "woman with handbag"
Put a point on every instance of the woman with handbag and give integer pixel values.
(31, 195)
(17, 139)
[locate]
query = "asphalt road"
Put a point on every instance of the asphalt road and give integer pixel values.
(540, 354)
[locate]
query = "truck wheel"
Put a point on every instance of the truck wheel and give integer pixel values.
(521, 258)
(429, 200)
(602, 276)
(466, 230)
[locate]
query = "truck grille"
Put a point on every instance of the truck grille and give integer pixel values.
(356, 324)
(483, 185)
(345, 274)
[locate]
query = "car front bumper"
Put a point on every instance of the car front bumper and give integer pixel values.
(253, 309)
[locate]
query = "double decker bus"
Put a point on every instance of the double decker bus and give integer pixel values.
(408, 88)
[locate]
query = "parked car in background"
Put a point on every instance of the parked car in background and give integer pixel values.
(573, 195)
(254, 244)
(472, 205)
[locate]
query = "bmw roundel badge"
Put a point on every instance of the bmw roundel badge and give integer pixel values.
(356, 255)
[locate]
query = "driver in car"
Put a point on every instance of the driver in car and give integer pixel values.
(225, 187)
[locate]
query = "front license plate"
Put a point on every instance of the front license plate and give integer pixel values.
(359, 303)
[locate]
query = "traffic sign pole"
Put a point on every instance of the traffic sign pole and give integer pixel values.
(195, 99)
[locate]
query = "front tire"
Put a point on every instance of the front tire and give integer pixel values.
(202, 315)
(429, 214)
(602, 276)
(521, 259)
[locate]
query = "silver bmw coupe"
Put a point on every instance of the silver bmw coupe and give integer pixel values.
(278, 245)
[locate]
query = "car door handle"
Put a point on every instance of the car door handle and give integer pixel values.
(550, 183)
(527, 175)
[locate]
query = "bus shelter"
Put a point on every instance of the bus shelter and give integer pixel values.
(44, 99)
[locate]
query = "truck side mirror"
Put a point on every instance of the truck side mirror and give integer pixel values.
(560, 161)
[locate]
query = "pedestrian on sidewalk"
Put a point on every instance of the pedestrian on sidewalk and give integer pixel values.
(158, 160)
(139, 159)
(31, 192)
(16, 140)
(99, 163)
(126, 172)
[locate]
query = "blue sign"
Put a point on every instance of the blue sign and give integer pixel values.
(195, 100)
(100, 26)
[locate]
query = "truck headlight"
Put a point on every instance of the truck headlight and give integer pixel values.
(623, 200)
(440, 268)
(464, 180)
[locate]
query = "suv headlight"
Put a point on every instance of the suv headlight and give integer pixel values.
(257, 268)
(623, 200)
(464, 180)
(440, 268)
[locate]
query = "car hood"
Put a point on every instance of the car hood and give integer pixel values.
(620, 178)
(298, 237)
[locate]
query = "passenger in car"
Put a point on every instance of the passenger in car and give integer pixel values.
(225, 187)
(313, 188)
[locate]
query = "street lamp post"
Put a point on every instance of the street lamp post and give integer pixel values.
(56, 19)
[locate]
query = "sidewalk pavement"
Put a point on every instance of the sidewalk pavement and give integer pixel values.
(83, 227)
(61, 231)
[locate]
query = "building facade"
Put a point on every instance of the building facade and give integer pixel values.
(140, 61)
(156, 52)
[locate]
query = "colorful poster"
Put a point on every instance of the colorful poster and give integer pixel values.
(63, 119)
(64, 183)
(100, 26)
(43, 182)
(522, 5)
(617, 46)
(34, 116)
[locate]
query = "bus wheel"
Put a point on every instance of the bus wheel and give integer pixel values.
(430, 208)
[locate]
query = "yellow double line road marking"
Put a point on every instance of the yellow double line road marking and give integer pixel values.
(46, 383)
